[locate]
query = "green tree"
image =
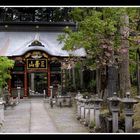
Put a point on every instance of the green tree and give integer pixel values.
(5, 66)
(95, 28)
(101, 31)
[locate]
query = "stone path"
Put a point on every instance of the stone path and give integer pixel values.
(35, 116)
(40, 121)
(65, 119)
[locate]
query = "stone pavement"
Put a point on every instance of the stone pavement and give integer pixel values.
(35, 116)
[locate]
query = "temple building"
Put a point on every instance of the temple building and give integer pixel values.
(37, 53)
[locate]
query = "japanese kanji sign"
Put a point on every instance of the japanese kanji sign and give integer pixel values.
(36, 64)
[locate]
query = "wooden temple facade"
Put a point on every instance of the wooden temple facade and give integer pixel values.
(37, 54)
(34, 72)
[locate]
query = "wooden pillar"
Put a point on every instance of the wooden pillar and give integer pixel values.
(98, 82)
(25, 81)
(49, 77)
(33, 81)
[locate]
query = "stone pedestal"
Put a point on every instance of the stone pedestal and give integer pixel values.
(87, 112)
(115, 121)
(91, 114)
(97, 120)
(82, 111)
(97, 101)
(82, 108)
(128, 123)
(114, 109)
(78, 110)
(78, 105)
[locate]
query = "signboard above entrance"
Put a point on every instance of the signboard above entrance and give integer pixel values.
(36, 64)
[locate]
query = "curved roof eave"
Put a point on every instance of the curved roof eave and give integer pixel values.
(79, 52)
(25, 50)
(18, 43)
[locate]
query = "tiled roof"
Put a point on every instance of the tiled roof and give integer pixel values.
(18, 43)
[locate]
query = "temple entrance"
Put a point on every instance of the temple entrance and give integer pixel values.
(37, 83)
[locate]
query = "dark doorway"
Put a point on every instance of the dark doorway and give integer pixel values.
(37, 83)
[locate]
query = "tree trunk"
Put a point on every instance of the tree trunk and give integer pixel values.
(112, 76)
(81, 77)
(98, 81)
(73, 77)
(138, 73)
(124, 65)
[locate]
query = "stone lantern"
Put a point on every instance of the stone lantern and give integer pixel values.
(128, 111)
(114, 108)
(19, 92)
(97, 106)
